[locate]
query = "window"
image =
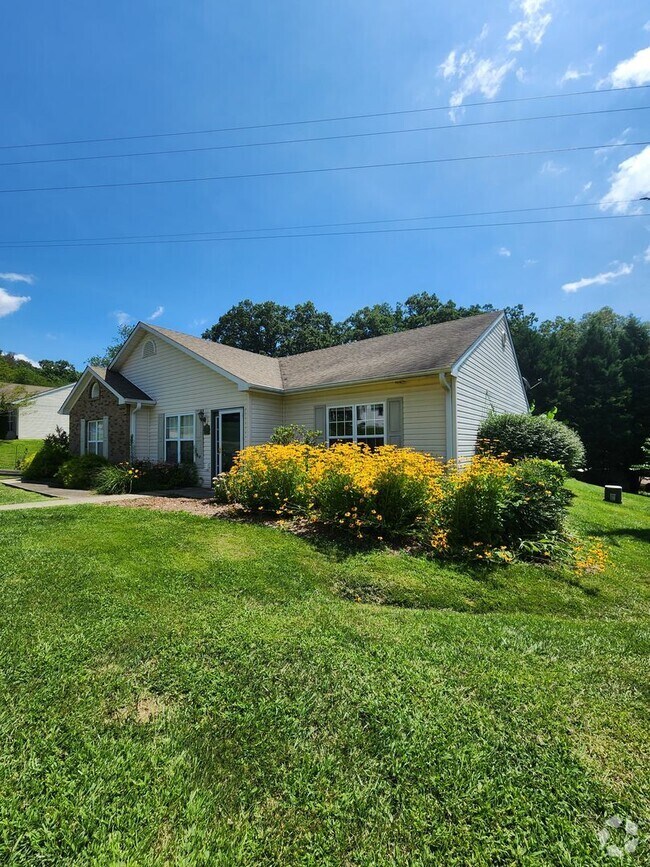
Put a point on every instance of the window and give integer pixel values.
(94, 391)
(179, 439)
(360, 423)
(95, 438)
(148, 349)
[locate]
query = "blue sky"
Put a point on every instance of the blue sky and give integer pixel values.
(80, 71)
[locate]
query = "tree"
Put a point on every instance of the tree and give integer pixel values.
(256, 327)
(123, 334)
(371, 322)
(59, 371)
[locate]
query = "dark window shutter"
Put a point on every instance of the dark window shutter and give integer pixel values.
(198, 439)
(395, 428)
(320, 422)
(161, 436)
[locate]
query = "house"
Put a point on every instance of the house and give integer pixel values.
(173, 397)
(34, 411)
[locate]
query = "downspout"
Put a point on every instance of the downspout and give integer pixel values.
(450, 447)
(132, 430)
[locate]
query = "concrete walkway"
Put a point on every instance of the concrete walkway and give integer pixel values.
(59, 496)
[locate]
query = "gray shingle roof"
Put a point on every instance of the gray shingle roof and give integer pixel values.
(434, 347)
(123, 386)
(250, 367)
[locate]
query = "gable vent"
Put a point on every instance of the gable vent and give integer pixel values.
(148, 349)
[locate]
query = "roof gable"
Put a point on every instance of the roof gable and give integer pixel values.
(122, 388)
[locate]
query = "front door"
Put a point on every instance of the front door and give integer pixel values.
(228, 437)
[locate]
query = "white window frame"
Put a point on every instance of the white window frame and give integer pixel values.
(355, 434)
(178, 439)
(94, 391)
(93, 443)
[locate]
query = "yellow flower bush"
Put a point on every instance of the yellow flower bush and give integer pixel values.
(483, 509)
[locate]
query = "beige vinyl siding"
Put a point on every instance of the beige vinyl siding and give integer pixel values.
(178, 384)
(487, 380)
(266, 414)
(424, 408)
(40, 416)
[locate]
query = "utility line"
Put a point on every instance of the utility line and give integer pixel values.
(333, 119)
(354, 135)
(336, 234)
(452, 216)
(287, 172)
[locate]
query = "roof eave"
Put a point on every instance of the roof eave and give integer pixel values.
(384, 378)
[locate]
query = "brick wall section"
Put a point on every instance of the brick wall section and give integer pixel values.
(118, 421)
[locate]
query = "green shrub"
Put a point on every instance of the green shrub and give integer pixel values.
(473, 505)
(537, 500)
(115, 479)
(80, 472)
(294, 433)
(47, 460)
(163, 477)
(221, 489)
(515, 437)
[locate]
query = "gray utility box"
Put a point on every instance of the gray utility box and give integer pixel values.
(613, 494)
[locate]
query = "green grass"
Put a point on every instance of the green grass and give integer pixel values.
(14, 495)
(183, 690)
(11, 451)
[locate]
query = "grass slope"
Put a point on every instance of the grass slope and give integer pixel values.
(13, 495)
(184, 690)
(11, 451)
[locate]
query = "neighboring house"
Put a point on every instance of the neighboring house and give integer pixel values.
(39, 416)
(34, 412)
(173, 397)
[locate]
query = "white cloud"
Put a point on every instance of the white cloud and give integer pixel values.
(631, 180)
(11, 303)
(573, 74)
(600, 279)
(550, 167)
(12, 277)
(20, 357)
(504, 251)
(532, 27)
(448, 66)
(646, 26)
(486, 78)
(646, 255)
(484, 75)
(122, 317)
(633, 71)
(528, 263)
(157, 313)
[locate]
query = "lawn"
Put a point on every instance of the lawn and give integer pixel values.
(12, 451)
(13, 495)
(184, 690)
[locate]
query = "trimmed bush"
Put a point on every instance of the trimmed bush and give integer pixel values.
(515, 437)
(46, 461)
(474, 502)
(80, 472)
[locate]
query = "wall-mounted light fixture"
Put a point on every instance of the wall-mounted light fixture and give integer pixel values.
(204, 421)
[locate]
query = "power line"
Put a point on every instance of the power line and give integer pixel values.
(163, 236)
(336, 234)
(286, 172)
(348, 117)
(354, 135)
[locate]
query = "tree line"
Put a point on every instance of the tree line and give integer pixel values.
(21, 372)
(595, 370)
